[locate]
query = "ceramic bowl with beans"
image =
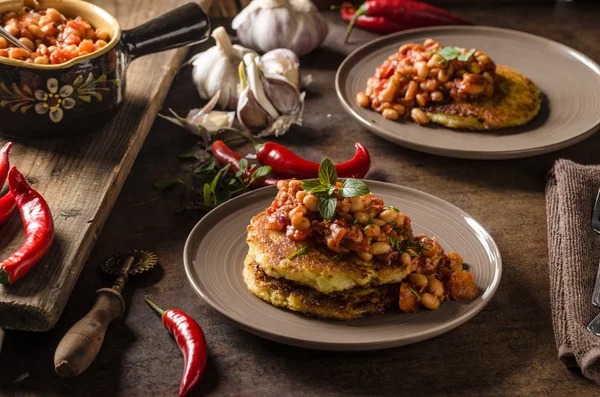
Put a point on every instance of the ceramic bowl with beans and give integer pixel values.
(418, 75)
(73, 75)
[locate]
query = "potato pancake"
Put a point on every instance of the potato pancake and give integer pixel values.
(516, 101)
(317, 267)
(354, 303)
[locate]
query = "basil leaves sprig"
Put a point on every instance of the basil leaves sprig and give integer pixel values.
(324, 188)
(450, 53)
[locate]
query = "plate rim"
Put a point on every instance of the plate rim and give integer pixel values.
(344, 346)
(462, 153)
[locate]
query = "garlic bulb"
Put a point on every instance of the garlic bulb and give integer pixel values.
(268, 24)
(216, 69)
(268, 103)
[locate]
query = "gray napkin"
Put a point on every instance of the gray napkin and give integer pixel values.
(574, 253)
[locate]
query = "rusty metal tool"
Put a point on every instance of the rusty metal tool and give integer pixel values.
(81, 344)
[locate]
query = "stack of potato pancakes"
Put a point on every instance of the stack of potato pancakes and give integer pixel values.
(317, 282)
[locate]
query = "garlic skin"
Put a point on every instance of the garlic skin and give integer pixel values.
(268, 104)
(216, 69)
(265, 25)
(202, 121)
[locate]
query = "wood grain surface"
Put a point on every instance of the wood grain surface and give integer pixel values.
(506, 350)
(81, 179)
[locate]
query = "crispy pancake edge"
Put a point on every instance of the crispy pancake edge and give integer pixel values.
(354, 303)
(516, 102)
(316, 268)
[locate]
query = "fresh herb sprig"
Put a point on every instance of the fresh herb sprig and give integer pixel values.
(450, 53)
(206, 184)
(415, 293)
(325, 187)
(299, 252)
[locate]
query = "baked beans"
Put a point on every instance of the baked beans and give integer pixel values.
(363, 227)
(52, 37)
(418, 75)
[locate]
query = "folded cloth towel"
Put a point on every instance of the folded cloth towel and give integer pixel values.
(574, 253)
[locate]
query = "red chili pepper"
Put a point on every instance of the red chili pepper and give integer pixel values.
(39, 229)
(4, 164)
(224, 155)
(7, 206)
(375, 24)
(285, 164)
(7, 202)
(191, 342)
(408, 14)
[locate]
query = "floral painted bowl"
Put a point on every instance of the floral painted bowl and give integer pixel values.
(55, 101)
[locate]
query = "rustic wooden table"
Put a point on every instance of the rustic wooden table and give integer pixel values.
(506, 350)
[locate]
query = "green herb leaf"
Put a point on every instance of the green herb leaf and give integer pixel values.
(391, 207)
(186, 156)
(239, 173)
(261, 171)
(243, 164)
(207, 195)
(415, 292)
(299, 252)
(222, 195)
(335, 257)
(356, 221)
(327, 173)
(465, 57)
(311, 185)
(354, 188)
(166, 183)
(253, 166)
(449, 53)
(370, 220)
(208, 165)
(327, 206)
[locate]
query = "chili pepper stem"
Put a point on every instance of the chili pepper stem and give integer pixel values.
(4, 277)
(350, 7)
(153, 306)
(359, 11)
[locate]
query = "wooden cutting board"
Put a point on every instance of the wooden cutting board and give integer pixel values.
(81, 179)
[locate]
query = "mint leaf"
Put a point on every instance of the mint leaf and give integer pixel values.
(354, 188)
(261, 171)
(465, 57)
(243, 164)
(299, 252)
(327, 206)
(311, 184)
(327, 173)
(449, 53)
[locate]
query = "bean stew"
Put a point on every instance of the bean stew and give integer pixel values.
(52, 37)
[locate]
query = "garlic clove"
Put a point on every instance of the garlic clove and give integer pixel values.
(255, 85)
(250, 113)
(199, 121)
(217, 120)
(283, 62)
(282, 94)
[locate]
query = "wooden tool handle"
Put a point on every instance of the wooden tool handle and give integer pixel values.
(80, 345)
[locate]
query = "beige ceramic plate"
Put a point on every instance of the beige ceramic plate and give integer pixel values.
(215, 251)
(569, 81)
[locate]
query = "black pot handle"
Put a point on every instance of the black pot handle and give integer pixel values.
(185, 25)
